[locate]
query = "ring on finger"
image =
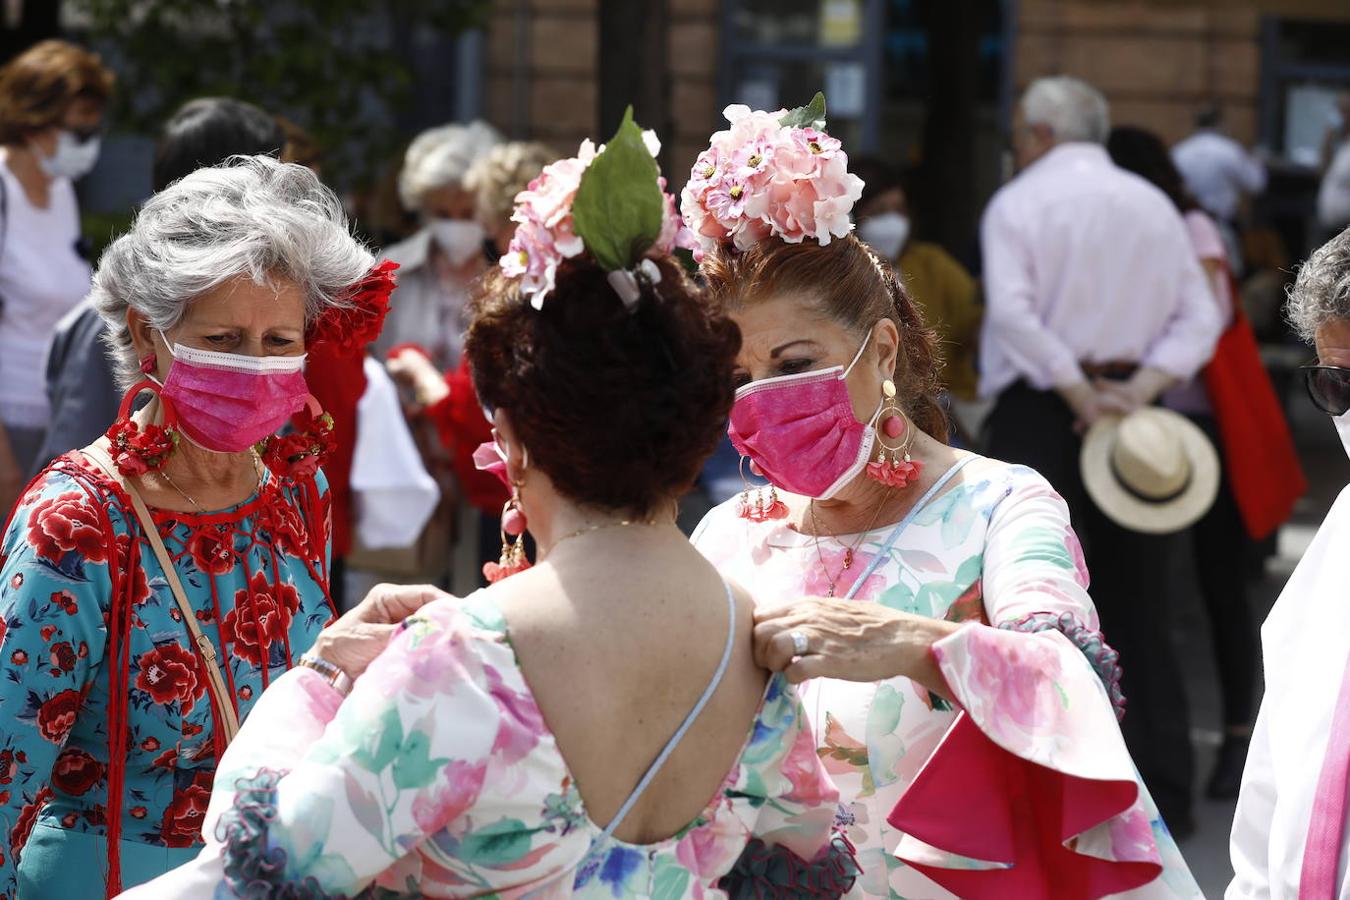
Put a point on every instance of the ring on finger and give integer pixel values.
(799, 644)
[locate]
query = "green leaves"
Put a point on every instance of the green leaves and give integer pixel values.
(812, 115)
(496, 845)
(619, 207)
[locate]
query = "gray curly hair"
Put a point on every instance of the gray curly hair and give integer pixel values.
(250, 215)
(1322, 291)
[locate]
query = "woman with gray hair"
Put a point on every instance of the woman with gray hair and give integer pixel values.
(1289, 837)
(438, 263)
(153, 584)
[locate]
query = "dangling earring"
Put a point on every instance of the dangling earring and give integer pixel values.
(763, 505)
(136, 450)
(513, 557)
(900, 471)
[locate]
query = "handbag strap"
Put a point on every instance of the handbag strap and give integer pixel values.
(227, 719)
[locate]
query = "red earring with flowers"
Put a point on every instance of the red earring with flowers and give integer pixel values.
(299, 453)
(135, 448)
(900, 471)
(513, 558)
(762, 504)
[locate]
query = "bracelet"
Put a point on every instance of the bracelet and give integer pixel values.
(339, 679)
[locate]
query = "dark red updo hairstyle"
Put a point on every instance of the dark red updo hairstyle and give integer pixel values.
(620, 409)
(855, 288)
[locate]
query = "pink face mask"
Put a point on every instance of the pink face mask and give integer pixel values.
(228, 402)
(801, 432)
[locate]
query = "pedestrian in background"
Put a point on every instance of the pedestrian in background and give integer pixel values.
(52, 99)
(1218, 172)
(1095, 304)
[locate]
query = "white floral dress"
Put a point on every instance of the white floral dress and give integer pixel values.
(1023, 787)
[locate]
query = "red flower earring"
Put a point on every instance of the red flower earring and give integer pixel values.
(513, 558)
(900, 471)
(137, 449)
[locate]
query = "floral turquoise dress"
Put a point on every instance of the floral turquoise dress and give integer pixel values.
(87, 620)
(438, 777)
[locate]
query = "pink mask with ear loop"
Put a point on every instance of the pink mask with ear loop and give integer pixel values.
(801, 432)
(227, 402)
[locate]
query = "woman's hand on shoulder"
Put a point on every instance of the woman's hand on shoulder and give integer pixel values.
(353, 641)
(852, 640)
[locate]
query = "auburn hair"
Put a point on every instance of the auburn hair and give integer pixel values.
(40, 84)
(620, 408)
(855, 288)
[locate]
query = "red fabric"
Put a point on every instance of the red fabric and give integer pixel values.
(337, 380)
(1261, 461)
(463, 427)
(1017, 813)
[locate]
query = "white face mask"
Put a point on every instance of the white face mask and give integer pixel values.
(1342, 424)
(459, 239)
(73, 159)
(886, 233)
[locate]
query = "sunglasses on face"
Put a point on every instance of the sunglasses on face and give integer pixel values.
(1329, 388)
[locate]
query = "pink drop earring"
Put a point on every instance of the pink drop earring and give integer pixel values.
(765, 503)
(900, 471)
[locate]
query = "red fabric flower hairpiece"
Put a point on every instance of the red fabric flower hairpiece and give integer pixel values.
(360, 319)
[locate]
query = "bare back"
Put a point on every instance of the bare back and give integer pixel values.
(617, 643)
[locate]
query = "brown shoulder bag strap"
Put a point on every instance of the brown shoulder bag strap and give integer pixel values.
(226, 719)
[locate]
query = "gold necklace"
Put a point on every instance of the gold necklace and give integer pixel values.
(849, 552)
(163, 473)
(601, 527)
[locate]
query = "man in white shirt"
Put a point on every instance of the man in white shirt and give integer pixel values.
(1218, 170)
(1290, 838)
(1095, 304)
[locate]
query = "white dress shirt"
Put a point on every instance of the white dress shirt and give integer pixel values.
(1085, 262)
(1218, 170)
(1305, 642)
(1333, 196)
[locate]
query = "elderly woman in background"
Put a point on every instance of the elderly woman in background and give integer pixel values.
(1289, 838)
(155, 583)
(438, 263)
(51, 111)
(497, 178)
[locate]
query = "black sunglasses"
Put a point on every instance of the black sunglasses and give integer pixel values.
(1329, 388)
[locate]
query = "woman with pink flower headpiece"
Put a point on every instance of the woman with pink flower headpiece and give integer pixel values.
(961, 695)
(591, 726)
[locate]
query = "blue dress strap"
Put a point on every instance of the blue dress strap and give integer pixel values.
(680, 732)
(904, 523)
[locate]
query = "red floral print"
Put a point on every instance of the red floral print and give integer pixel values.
(150, 744)
(56, 717)
(182, 822)
(68, 522)
(19, 658)
(23, 827)
(288, 530)
(8, 767)
(75, 772)
(137, 812)
(212, 550)
(166, 760)
(62, 658)
(47, 632)
(66, 601)
(273, 606)
(169, 673)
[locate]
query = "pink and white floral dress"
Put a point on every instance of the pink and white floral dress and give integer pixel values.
(1023, 787)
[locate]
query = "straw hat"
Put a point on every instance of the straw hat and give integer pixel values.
(1152, 471)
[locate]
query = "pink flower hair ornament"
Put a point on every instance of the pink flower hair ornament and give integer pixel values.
(770, 175)
(610, 202)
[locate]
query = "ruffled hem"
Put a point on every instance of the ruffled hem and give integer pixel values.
(1105, 661)
(764, 871)
(1032, 792)
(251, 867)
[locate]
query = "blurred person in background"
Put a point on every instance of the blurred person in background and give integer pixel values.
(83, 393)
(1095, 305)
(1220, 537)
(1289, 837)
(438, 264)
(1333, 196)
(300, 146)
(496, 179)
(1218, 171)
(448, 400)
(52, 99)
(947, 295)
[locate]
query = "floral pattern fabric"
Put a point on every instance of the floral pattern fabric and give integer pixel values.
(438, 777)
(256, 578)
(995, 549)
